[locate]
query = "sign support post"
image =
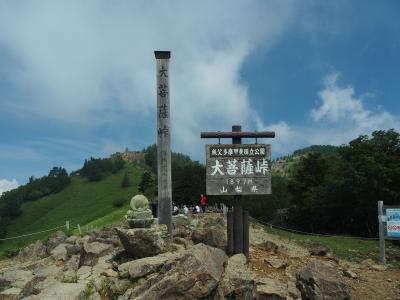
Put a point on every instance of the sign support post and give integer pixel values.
(238, 170)
(164, 141)
(237, 207)
(382, 256)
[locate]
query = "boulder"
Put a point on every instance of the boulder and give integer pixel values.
(179, 221)
(318, 250)
(72, 239)
(34, 251)
(271, 289)
(350, 274)
(56, 239)
(142, 267)
(143, 242)
(91, 252)
(18, 283)
(180, 241)
(107, 236)
(60, 252)
(194, 274)
(214, 236)
(319, 280)
(84, 240)
(59, 290)
(268, 246)
(275, 262)
(237, 281)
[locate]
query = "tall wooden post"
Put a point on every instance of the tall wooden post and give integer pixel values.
(229, 216)
(246, 237)
(164, 141)
(237, 207)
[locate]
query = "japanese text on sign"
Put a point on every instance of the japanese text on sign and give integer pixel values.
(238, 169)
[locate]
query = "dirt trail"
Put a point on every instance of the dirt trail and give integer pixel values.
(289, 258)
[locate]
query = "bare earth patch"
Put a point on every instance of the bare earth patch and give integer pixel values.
(289, 258)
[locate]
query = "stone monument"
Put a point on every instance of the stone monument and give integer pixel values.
(139, 216)
(142, 238)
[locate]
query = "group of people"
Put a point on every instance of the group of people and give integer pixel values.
(194, 209)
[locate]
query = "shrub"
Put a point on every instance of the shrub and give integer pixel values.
(119, 202)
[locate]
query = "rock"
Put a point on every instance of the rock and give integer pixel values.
(107, 236)
(110, 273)
(34, 251)
(275, 262)
(72, 239)
(350, 274)
(61, 291)
(293, 290)
(72, 263)
(142, 267)
(11, 294)
(207, 220)
(118, 286)
(18, 283)
(181, 241)
(84, 240)
(180, 232)
(60, 252)
(95, 296)
(100, 268)
(179, 221)
(318, 250)
(143, 242)
(73, 250)
(193, 275)
(268, 288)
(83, 273)
(237, 281)
(91, 252)
(16, 278)
(268, 246)
(47, 271)
(214, 236)
(318, 280)
(56, 239)
(379, 268)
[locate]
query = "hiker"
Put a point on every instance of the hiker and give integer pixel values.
(185, 210)
(203, 202)
(176, 211)
(198, 210)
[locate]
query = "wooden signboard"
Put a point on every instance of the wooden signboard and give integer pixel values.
(238, 169)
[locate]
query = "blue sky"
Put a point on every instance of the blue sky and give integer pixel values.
(77, 78)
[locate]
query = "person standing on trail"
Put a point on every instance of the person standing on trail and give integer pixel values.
(203, 202)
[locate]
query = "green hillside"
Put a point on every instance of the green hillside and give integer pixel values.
(81, 203)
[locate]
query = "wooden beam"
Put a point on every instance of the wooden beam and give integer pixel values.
(244, 134)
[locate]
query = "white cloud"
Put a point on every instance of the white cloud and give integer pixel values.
(340, 104)
(87, 63)
(340, 116)
(6, 185)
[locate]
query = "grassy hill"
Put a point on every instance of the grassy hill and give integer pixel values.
(82, 202)
(284, 165)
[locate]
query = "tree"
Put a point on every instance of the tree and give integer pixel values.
(125, 181)
(147, 185)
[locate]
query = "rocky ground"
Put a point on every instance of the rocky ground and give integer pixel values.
(194, 266)
(280, 259)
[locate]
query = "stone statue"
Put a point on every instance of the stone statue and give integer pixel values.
(139, 216)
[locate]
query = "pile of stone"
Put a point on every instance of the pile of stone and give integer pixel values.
(144, 265)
